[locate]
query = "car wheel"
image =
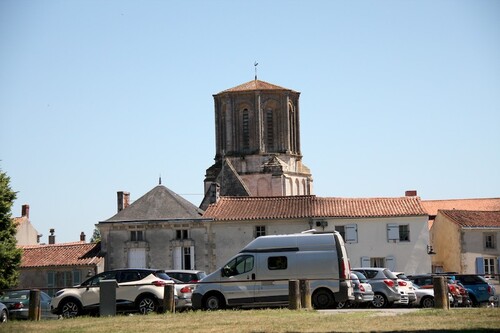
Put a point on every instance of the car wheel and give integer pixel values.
(379, 301)
(147, 304)
(214, 302)
(70, 308)
(322, 299)
(427, 302)
(343, 305)
(4, 316)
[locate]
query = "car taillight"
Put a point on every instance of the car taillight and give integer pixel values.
(402, 283)
(388, 282)
(361, 288)
(18, 305)
(159, 283)
(186, 289)
(344, 269)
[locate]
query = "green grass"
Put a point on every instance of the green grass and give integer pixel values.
(273, 320)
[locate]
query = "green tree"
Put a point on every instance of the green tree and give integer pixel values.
(96, 236)
(10, 255)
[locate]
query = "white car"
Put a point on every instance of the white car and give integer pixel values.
(405, 286)
(139, 290)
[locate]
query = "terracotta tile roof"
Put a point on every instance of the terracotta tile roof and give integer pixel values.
(254, 85)
(255, 208)
(473, 219)
(63, 254)
(490, 204)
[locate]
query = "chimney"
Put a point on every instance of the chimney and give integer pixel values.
(82, 237)
(25, 211)
(411, 193)
(214, 192)
(52, 237)
(123, 200)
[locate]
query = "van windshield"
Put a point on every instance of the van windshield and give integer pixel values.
(238, 265)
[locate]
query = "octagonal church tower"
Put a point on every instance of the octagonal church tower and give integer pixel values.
(257, 138)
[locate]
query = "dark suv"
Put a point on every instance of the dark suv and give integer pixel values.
(480, 291)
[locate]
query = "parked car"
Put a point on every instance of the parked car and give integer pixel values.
(4, 313)
(404, 284)
(425, 281)
(187, 276)
(480, 291)
(425, 297)
(18, 303)
(363, 293)
(184, 295)
(139, 290)
(384, 285)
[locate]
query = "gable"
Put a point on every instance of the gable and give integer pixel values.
(158, 204)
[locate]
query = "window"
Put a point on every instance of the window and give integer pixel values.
(260, 230)
(270, 126)
(398, 232)
(136, 236)
(246, 130)
(341, 230)
(238, 265)
(184, 257)
(377, 262)
(137, 258)
(274, 263)
(182, 234)
(51, 283)
(489, 241)
(404, 233)
(77, 277)
(489, 266)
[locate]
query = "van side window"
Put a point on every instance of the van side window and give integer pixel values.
(274, 263)
(238, 265)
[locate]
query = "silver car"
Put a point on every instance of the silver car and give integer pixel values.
(363, 292)
(384, 284)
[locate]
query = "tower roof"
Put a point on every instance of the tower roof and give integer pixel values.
(254, 85)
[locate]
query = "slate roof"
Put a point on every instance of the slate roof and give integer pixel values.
(490, 204)
(283, 207)
(473, 219)
(158, 204)
(63, 254)
(254, 85)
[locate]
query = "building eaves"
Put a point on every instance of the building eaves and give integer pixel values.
(254, 85)
(62, 254)
(473, 219)
(310, 206)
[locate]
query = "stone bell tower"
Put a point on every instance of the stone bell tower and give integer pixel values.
(257, 140)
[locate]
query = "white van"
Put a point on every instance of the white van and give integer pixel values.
(259, 274)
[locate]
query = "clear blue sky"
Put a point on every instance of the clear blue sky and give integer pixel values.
(102, 96)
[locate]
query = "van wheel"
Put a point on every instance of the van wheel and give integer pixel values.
(379, 301)
(147, 304)
(323, 299)
(214, 302)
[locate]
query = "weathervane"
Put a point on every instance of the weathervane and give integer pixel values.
(255, 64)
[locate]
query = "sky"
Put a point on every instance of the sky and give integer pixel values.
(104, 96)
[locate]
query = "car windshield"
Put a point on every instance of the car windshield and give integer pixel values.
(10, 295)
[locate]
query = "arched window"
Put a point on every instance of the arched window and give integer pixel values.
(246, 130)
(270, 130)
